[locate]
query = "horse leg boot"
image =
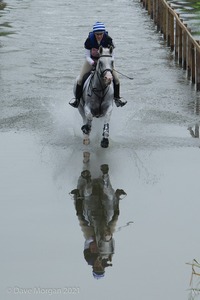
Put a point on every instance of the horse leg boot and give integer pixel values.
(78, 95)
(117, 97)
(105, 140)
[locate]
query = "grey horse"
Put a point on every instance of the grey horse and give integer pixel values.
(97, 96)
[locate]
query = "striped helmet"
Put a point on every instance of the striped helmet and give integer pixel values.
(99, 27)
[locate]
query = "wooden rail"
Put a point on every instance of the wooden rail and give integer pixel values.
(177, 36)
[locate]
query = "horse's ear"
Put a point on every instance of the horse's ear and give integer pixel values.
(100, 50)
(111, 49)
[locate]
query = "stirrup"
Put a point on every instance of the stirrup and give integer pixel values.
(74, 104)
(119, 102)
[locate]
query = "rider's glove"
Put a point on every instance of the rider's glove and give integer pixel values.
(94, 65)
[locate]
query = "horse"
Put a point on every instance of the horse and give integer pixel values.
(97, 96)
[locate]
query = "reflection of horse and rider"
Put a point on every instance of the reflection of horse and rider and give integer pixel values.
(97, 209)
(98, 37)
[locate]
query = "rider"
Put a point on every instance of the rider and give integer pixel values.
(98, 37)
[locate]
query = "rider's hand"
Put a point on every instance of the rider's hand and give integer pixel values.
(94, 65)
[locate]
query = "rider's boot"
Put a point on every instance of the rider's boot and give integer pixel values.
(78, 95)
(117, 98)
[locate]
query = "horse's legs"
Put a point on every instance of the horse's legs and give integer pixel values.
(87, 124)
(86, 139)
(105, 140)
(106, 130)
(86, 158)
(86, 128)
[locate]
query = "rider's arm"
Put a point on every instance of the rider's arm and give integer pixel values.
(88, 57)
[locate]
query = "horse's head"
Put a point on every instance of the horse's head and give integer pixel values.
(105, 64)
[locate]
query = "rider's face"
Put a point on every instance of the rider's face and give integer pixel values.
(99, 36)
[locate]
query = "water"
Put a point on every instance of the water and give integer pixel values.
(153, 156)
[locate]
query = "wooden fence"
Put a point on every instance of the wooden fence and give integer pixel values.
(177, 36)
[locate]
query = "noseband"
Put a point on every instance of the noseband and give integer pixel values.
(104, 71)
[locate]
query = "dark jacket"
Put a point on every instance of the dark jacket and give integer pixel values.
(91, 41)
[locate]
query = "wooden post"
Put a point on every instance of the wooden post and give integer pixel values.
(164, 22)
(184, 48)
(180, 51)
(198, 69)
(171, 31)
(167, 26)
(158, 15)
(149, 6)
(161, 17)
(177, 40)
(193, 63)
(189, 59)
(152, 9)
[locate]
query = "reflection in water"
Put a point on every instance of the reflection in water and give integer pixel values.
(194, 132)
(194, 128)
(195, 280)
(197, 106)
(5, 25)
(97, 209)
(4, 29)
(2, 5)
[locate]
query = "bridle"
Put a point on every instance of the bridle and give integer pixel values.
(103, 90)
(102, 73)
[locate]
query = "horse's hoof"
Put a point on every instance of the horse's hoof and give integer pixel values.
(86, 140)
(119, 102)
(86, 157)
(104, 143)
(86, 129)
(86, 174)
(74, 104)
(104, 169)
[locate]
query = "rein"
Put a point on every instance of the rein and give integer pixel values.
(103, 90)
(100, 93)
(131, 78)
(95, 90)
(107, 55)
